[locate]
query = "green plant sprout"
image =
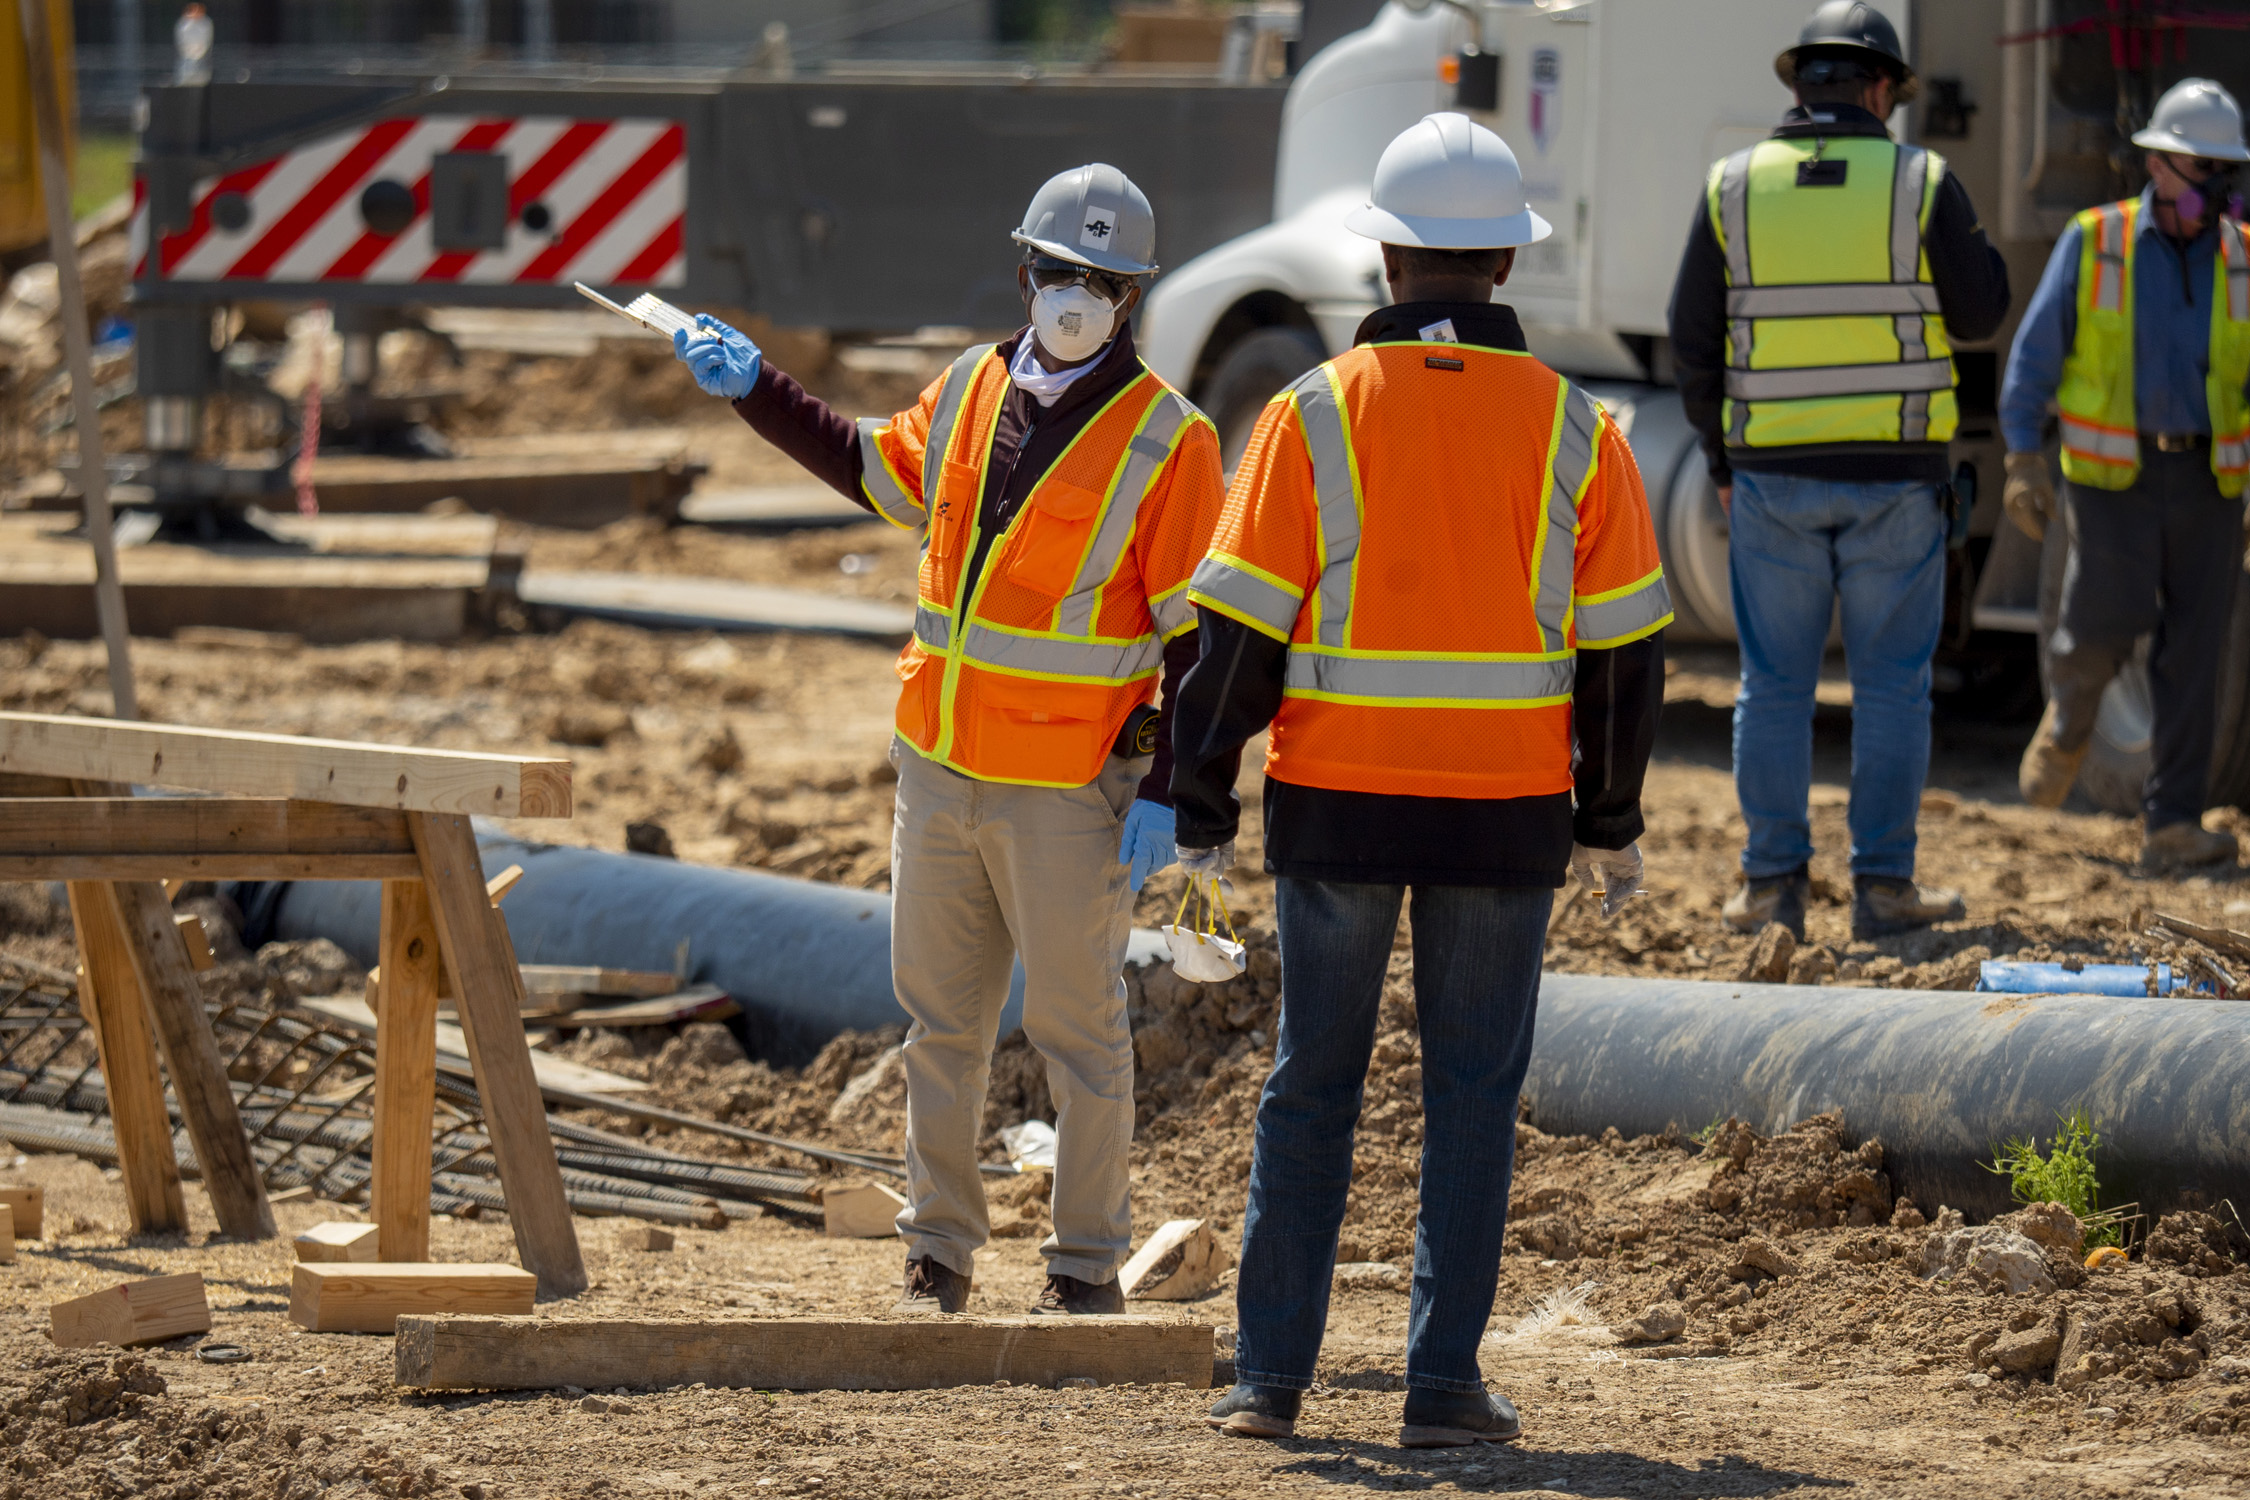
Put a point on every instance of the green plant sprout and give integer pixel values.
(2065, 1175)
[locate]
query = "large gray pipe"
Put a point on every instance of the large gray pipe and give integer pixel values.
(804, 960)
(1941, 1077)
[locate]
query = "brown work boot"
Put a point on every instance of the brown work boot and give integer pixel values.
(2179, 846)
(1068, 1296)
(1883, 906)
(1770, 898)
(2048, 771)
(932, 1286)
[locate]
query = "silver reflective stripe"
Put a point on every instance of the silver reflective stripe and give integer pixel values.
(1634, 614)
(1839, 380)
(942, 421)
(2084, 437)
(1247, 595)
(2238, 270)
(1166, 418)
(1908, 182)
(1734, 229)
(1044, 656)
(1576, 422)
(1173, 613)
(2232, 454)
(889, 497)
(1850, 299)
(932, 627)
(1454, 682)
(1320, 415)
(2110, 264)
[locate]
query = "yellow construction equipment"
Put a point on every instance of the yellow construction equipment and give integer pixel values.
(23, 219)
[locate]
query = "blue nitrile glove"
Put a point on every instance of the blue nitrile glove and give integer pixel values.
(723, 360)
(1147, 845)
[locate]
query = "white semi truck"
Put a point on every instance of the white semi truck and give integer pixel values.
(1616, 108)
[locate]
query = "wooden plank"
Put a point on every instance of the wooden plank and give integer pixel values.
(584, 979)
(860, 1211)
(327, 1244)
(346, 1298)
(488, 989)
(191, 1056)
(496, 889)
(7, 1235)
(1180, 1262)
(798, 1354)
(133, 1312)
(705, 1002)
(2226, 940)
(198, 941)
(679, 603)
(197, 826)
(209, 866)
(28, 1203)
(314, 770)
(780, 507)
(111, 991)
(405, 1071)
(550, 1071)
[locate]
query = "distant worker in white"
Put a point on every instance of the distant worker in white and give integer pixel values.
(1825, 272)
(1064, 495)
(2139, 338)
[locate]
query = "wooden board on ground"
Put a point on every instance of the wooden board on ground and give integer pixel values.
(584, 979)
(644, 1237)
(776, 507)
(453, 1051)
(1181, 1261)
(371, 1298)
(333, 1243)
(133, 1312)
(263, 765)
(7, 1235)
(704, 1002)
(798, 1354)
(665, 601)
(579, 490)
(860, 1211)
(28, 1202)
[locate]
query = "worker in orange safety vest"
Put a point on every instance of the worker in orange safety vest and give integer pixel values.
(1064, 495)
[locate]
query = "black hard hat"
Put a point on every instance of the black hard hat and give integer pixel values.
(1847, 39)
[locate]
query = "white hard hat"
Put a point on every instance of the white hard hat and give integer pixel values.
(2196, 117)
(1095, 216)
(1447, 183)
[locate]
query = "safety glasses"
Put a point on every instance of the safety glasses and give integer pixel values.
(1049, 271)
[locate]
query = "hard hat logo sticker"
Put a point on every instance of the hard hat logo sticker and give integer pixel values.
(1097, 230)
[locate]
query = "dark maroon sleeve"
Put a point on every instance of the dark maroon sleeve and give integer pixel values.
(1180, 653)
(806, 428)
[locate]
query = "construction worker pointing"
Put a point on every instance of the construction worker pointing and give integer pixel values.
(2140, 334)
(1064, 494)
(1437, 580)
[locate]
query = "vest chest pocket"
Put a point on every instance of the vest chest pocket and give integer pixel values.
(1045, 552)
(957, 501)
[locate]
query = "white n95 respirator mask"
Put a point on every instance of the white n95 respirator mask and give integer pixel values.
(1071, 321)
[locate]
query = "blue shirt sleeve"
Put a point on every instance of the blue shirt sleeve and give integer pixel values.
(2043, 339)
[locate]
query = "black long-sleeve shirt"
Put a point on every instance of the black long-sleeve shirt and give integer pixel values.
(1027, 439)
(1972, 287)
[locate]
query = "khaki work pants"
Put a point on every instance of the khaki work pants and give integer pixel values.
(982, 871)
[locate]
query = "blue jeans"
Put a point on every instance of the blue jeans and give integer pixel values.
(1476, 987)
(1796, 547)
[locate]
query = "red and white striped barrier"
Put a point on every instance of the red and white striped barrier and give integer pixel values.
(599, 201)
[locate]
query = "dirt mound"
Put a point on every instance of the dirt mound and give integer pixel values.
(71, 1390)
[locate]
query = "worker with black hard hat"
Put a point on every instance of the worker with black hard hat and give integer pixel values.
(1848, 41)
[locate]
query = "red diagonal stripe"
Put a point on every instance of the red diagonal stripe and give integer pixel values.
(542, 174)
(313, 206)
(176, 246)
(655, 256)
(369, 247)
(603, 211)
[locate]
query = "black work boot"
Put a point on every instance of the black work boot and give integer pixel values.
(1455, 1419)
(1262, 1411)
(932, 1286)
(1770, 898)
(1068, 1296)
(1884, 906)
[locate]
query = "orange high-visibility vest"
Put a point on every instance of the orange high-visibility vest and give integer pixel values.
(1435, 529)
(1030, 678)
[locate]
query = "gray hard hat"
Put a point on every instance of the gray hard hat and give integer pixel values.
(1095, 216)
(1847, 39)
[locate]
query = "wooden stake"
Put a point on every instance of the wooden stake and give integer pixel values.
(191, 1056)
(109, 992)
(405, 1071)
(62, 242)
(488, 992)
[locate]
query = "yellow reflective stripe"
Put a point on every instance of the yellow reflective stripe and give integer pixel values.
(1173, 611)
(2235, 262)
(1846, 299)
(1806, 382)
(1109, 664)
(1448, 680)
(1326, 428)
(932, 627)
(1733, 195)
(1619, 616)
(1554, 553)
(1247, 593)
(1151, 445)
(2112, 263)
(958, 378)
(880, 482)
(1910, 179)
(2097, 442)
(950, 399)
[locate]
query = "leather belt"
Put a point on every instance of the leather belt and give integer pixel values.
(2177, 442)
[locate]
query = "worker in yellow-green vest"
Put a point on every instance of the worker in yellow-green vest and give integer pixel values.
(2138, 339)
(1826, 271)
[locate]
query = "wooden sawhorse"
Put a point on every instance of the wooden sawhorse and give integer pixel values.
(284, 808)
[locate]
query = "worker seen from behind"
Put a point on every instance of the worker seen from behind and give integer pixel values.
(1826, 269)
(2139, 336)
(1437, 581)
(1064, 494)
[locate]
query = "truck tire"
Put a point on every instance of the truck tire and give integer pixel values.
(1247, 376)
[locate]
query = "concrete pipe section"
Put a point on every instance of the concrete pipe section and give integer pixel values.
(1941, 1078)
